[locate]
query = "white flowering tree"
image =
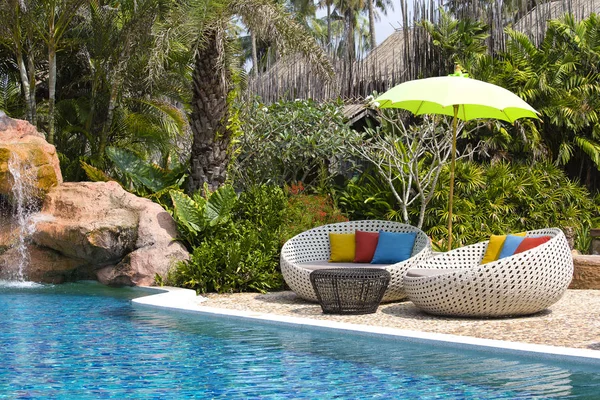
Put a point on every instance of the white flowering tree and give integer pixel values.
(410, 158)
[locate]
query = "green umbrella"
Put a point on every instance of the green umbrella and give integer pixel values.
(460, 97)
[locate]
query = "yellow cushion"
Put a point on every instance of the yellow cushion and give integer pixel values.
(495, 247)
(342, 247)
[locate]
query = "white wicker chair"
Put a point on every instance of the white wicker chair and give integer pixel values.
(313, 246)
(455, 283)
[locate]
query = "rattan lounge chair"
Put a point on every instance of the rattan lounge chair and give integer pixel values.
(309, 251)
(456, 283)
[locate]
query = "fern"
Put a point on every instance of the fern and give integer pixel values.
(94, 174)
(143, 173)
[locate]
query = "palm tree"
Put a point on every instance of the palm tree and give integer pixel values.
(303, 12)
(350, 9)
(214, 74)
(124, 85)
(328, 4)
(561, 79)
(16, 35)
(51, 27)
(383, 6)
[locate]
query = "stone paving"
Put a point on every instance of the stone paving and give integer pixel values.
(574, 321)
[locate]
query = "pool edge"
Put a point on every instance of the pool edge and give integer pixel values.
(187, 300)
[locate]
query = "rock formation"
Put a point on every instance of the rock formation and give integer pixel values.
(122, 238)
(21, 140)
(85, 230)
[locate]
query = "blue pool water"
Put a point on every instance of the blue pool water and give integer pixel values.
(86, 341)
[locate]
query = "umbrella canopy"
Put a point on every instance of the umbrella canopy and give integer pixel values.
(475, 99)
(461, 98)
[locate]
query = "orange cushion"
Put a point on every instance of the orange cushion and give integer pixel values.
(531, 242)
(366, 243)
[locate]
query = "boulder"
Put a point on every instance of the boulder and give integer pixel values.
(8, 232)
(89, 221)
(586, 274)
(45, 265)
(122, 238)
(22, 142)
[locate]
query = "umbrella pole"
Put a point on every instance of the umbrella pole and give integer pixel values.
(452, 163)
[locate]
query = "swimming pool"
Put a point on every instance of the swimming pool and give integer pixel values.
(87, 341)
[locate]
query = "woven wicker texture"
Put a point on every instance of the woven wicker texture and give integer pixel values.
(524, 283)
(349, 291)
(313, 245)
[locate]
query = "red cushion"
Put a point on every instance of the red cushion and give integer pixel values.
(366, 243)
(531, 242)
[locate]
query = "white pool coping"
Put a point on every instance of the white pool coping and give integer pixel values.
(187, 300)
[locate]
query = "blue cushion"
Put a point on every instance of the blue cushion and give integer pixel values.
(393, 247)
(510, 245)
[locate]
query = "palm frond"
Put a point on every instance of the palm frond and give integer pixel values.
(268, 20)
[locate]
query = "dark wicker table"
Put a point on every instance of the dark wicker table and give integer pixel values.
(349, 290)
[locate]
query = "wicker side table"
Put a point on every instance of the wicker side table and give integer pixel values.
(349, 290)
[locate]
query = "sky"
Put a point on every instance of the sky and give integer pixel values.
(385, 27)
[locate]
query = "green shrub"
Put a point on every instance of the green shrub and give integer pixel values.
(367, 197)
(290, 141)
(239, 249)
(492, 199)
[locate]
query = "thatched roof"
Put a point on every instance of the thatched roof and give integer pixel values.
(530, 23)
(390, 54)
(406, 54)
(292, 77)
(289, 77)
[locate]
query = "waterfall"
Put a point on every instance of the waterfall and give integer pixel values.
(23, 204)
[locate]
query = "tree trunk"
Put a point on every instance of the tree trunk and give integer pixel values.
(110, 113)
(254, 54)
(372, 24)
(51, 88)
(51, 71)
(209, 117)
(25, 86)
(32, 100)
(350, 46)
(31, 68)
(329, 44)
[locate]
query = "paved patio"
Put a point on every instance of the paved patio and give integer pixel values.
(572, 322)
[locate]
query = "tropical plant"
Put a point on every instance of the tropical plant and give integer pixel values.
(10, 91)
(234, 241)
(51, 22)
(16, 36)
(502, 197)
(138, 175)
(409, 158)
(104, 100)
(366, 196)
(197, 214)
(561, 79)
(460, 41)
